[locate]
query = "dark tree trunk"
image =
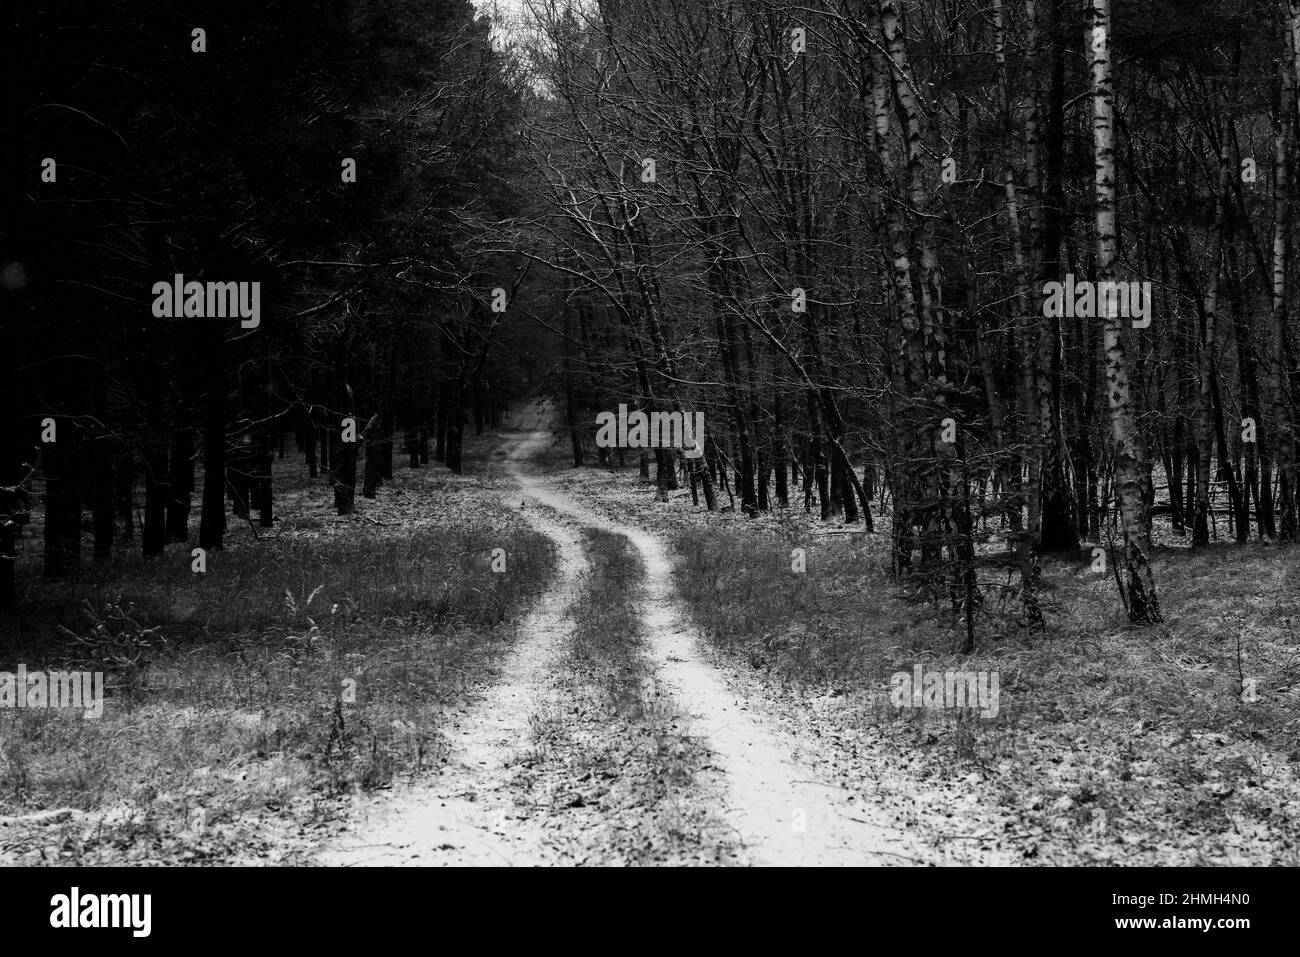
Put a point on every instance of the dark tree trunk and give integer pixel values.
(806, 451)
(101, 494)
(455, 426)
(1177, 454)
(778, 453)
(1236, 501)
(344, 472)
(847, 490)
(388, 415)
(440, 426)
(373, 472)
(266, 451)
(575, 438)
(239, 470)
(666, 462)
(1058, 532)
(818, 454)
(124, 491)
(837, 486)
(343, 456)
(153, 537)
(570, 393)
(212, 521)
(12, 515)
(309, 442)
(179, 486)
(62, 502)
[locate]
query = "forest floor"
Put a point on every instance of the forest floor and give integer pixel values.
(573, 754)
(636, 682)
(320, 658)
(1177, 744)
(687, 772)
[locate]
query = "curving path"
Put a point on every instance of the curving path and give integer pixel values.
(782, 815)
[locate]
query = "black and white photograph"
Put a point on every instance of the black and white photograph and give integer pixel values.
(651, 433)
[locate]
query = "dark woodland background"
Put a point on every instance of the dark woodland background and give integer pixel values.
(511, 156)
(226, 166)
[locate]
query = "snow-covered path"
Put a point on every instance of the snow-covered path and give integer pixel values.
(781, 813)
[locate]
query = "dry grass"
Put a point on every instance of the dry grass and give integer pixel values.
(611, 762)
(245, 701)
(1112, 744)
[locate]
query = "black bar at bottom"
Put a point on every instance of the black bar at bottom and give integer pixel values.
(301, 907)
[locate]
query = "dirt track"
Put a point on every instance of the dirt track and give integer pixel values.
(780, 812)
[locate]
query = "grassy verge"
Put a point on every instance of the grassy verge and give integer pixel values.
(245, 701)
(1174, 744)
(611, 763)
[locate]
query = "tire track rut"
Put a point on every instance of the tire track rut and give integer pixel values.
(780, 811)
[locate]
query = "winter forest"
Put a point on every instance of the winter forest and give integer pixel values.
(422, 397)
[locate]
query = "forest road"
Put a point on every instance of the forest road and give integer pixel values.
(781, 813)
(467, 815)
